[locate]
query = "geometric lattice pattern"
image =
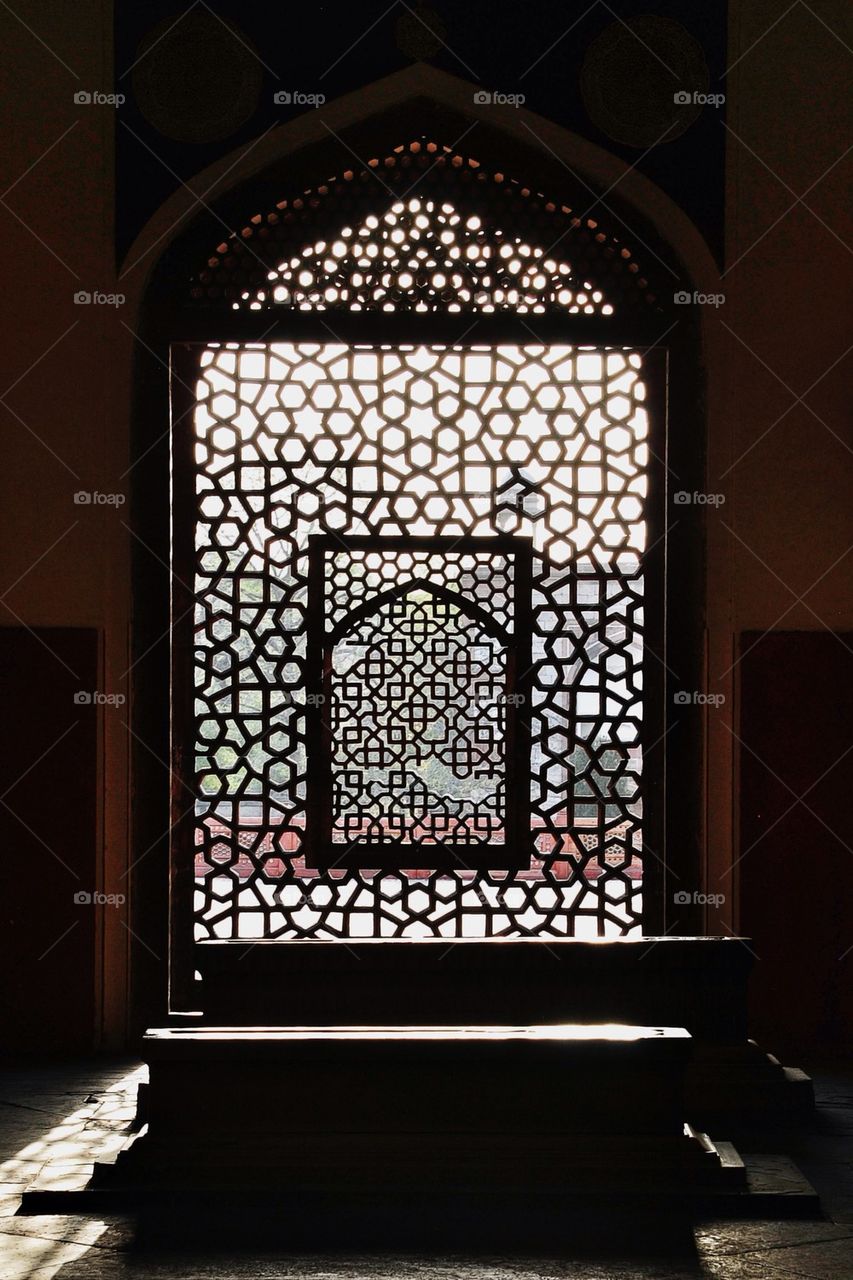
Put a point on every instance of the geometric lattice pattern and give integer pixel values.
(481, 578)
(416, 705)
(296, 440)
(335, 247)
(418, 729)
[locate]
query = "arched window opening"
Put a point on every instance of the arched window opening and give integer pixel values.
(426, 569)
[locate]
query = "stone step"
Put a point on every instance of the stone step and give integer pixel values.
(568, 1109)
(457, 1163)
(572, 1079)
(774, 1188)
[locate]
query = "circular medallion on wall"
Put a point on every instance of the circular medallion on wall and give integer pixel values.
(197, 78)
(640, 78)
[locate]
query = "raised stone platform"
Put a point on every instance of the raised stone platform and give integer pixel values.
(584, 1109)
(549, 1087)
(460, 1135)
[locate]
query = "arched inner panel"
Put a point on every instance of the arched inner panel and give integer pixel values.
(417, 717)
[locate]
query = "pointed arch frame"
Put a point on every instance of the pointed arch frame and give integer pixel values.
(310, 147)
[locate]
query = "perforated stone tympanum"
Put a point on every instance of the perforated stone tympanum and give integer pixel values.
(426, 229)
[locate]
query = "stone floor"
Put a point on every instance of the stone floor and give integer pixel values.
(67, 1114)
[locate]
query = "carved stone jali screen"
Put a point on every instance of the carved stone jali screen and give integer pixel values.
(418, 565)
(420, 658)
(418, 640)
